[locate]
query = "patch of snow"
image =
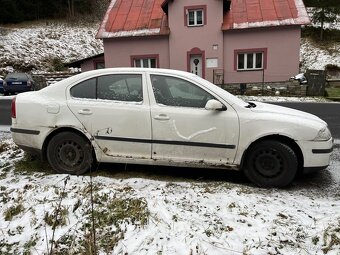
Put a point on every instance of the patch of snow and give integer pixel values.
(140, 32)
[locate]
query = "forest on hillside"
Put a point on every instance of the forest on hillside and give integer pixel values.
(15, 11)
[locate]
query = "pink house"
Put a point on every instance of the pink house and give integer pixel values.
(237, 41)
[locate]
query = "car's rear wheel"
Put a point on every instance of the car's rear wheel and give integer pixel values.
(69, 153)
(271, 163)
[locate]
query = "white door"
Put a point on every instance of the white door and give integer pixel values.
(196, 64)
(183, 130)
(115, 110)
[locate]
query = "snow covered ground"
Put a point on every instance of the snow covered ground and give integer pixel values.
(312, 57)
(160, 210)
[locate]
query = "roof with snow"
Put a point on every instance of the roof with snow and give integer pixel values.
(264, 13)
(126, 18)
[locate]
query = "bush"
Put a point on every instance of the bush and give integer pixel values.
(57, 64)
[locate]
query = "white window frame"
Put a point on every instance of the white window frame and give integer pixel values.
(142, 62)
(195, 17)
(245, 61)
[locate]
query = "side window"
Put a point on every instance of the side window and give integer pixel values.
(120, 87)
(85, 89)
(173, 91)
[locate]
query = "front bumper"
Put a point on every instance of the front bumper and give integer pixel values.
(316, 154)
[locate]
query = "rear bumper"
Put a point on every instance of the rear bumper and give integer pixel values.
(17, 88)
(28, 140)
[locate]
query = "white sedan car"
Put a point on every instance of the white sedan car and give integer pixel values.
(166, 117)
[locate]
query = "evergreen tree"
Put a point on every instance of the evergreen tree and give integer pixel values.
(325, 11)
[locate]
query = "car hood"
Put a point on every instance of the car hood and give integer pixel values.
(282, 112)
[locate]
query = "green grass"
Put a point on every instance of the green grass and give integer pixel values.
(30, 165)
(333, 92)
(13, 211)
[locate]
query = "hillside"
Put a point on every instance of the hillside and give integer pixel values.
(34, 46)
(37, 45)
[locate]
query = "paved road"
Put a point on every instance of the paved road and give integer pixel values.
(330, 112)
(5, 112)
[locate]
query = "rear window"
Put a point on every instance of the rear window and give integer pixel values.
(19, 76)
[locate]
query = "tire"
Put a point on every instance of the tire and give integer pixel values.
(6, 93)
(271, 163)
(69, 153)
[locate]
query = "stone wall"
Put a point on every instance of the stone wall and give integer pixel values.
(284, 88)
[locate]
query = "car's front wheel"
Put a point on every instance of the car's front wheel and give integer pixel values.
(271, 163)
(69, 153)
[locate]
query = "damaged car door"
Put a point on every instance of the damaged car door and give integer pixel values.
(183, 130)
(114, 109)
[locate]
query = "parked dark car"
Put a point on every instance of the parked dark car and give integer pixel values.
(1, 85)
(18, 82)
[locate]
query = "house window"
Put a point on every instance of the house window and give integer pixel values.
(195, 15)
(250, 59)
(99, 65)
(147, 61)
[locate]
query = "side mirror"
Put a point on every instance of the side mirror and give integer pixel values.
(215, 105)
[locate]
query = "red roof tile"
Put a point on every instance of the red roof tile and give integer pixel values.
(133, 18)
(264, 13)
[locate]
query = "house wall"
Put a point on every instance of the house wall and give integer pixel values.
(182, 39)
(118, 51)
(90, 64)
(283, 50)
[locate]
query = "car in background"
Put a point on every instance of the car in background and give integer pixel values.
(166, 117)
(17, 83)
(1, 85)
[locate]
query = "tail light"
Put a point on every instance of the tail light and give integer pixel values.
(29, 83)
(14, 112)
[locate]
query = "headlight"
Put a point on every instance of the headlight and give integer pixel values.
(323, 135)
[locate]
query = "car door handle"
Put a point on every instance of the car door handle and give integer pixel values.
(85, 112)
(161, 117)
